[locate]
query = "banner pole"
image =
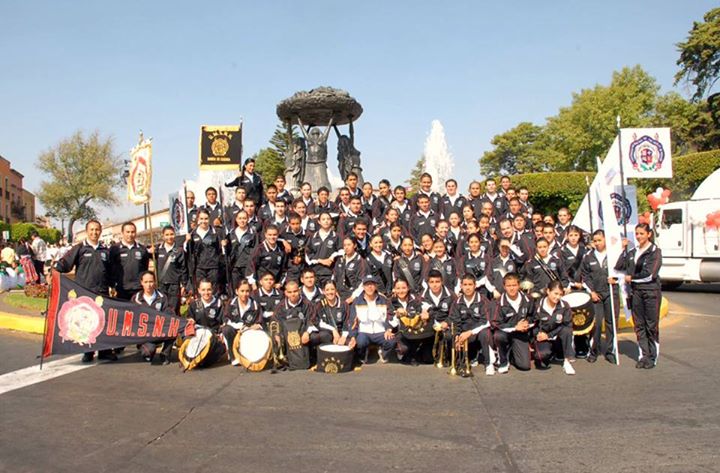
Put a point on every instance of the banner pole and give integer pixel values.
(614, 324)
(590, 207)
(45, 315)
(622, 173)
(152, 243)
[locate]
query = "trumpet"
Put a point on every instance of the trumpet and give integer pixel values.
(460, 361)
(453, 356)
(278, 353)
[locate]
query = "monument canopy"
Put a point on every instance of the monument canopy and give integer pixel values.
(318, 106)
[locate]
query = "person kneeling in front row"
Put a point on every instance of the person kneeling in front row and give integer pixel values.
(553, 331)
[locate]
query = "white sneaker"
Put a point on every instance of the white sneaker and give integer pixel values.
(489, 370)
(474, 363)
(493, 357)
(383, 360)
(503, 369)
(568, 367)
(235, 362)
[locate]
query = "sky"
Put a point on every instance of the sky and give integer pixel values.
(167, 68)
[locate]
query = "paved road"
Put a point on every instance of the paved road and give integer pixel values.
(129, 417)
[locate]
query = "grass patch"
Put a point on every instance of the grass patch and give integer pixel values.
(21, 301)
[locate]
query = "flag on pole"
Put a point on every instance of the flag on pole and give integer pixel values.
(221, 147)
(140, 172)
(646, 153)
(610, 170)
(177, 206)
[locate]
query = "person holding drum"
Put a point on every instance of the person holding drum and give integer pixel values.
(369, 322)
(595, 278)
(642, 267)
(414, 326)
(207, 310)
(330, 318)
(242, 313)
(205, 348)
(553, 328)
(511, 325)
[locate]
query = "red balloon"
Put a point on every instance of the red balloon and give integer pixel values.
(666, 193)
(653, 200)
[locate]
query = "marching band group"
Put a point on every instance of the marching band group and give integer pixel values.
(457, 280)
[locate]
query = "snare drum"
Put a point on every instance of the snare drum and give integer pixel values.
(334, 359)
(202, 350)
(583, 313)
(253, 349)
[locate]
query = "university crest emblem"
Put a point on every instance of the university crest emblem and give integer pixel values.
(646, 153)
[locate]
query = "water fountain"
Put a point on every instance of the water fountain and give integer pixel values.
(438, 160)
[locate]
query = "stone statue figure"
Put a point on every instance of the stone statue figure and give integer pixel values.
(348, 156)
(316, 155)
(295, 163)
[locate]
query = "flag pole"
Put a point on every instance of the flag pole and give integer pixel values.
(614, 324)
(45, 316)
(622, 174)
(590, 207)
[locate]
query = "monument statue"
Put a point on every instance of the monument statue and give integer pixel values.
(348, 156)
(315, 171)
(295, 164)
(311, 110)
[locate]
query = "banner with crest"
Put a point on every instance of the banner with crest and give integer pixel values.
(79, 321)
(220, 147)
(177, 210)
(140, 173)
(646, 153)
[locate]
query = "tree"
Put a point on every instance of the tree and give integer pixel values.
(693, 128)
(515, 151)
(279, 140)
(269, 164)
(83, 172)
(414, 180)
(700, 55)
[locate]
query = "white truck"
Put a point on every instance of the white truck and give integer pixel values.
(690, 249)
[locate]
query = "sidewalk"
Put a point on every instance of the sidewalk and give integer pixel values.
(22, 320)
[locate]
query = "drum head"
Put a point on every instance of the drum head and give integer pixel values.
(334, 348)
(254, 345)
(197, 344)
(576, 299)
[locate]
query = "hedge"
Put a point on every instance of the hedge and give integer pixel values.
(550, 191)
(23, 230)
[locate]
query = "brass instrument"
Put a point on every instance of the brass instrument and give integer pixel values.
(438, 350)
(278, 351)
(453, 370)
(460, 361)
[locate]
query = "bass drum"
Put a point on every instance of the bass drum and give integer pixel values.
(202, 350)
(253, 349)
(334, 359)
(583, 313)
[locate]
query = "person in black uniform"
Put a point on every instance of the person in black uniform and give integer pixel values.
(294, 314)
(470, 313)
(242, 313)
(409, 265)
(205, 248)
(642, 268)
(171, 269)
(149, 296)
(331, 318)
(243, 241)
(511, 325)
(91, 261)
(403, 304)
(553, 329)
(350, 269)
(322, 249)
(596, 279)
(572, 253)
(267, 296)
(128, 260)
(268, 257)
(309, 290)
(250, 181)
(440, 261)
(424, 219)
(426, 182)
(380, 264)
(206, 310)
(294, 240)
(544, 268)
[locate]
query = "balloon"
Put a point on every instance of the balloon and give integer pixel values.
(644, 218)
(654, 201)
(659, 190)
(713, 220)
(666, 193)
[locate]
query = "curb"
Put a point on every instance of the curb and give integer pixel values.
(22, 323)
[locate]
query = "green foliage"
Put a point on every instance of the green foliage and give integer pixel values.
(279, 140)
(50, 235)
(551, 190)
(515, 151)
(413, 181)
(21, 230)
(269, 164)
(689, 171)
(700, 55)
(82, 172)
(692, 125)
